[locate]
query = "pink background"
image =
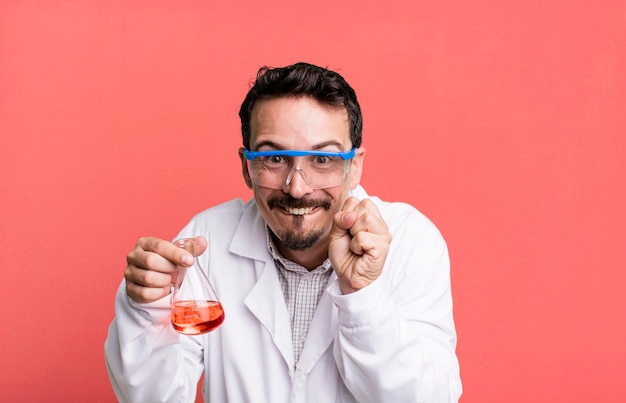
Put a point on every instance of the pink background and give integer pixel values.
(502, 121)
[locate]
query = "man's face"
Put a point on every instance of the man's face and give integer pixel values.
(299, 216)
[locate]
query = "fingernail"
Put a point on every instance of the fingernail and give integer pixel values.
(187, 260)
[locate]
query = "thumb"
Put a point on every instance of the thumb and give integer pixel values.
(342, 222)
(346, 219)
(200, 243)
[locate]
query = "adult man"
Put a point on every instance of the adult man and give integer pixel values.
(330, 295)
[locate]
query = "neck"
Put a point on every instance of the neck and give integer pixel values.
(310, 258)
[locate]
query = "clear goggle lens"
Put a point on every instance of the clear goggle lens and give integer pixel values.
(276, 169)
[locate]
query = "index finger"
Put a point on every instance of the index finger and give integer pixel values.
(167, 250)
(367, 218)
(347, 215)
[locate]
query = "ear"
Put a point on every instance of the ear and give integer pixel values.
(244, 169)
(356, 169)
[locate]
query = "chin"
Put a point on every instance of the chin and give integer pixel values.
(299, 239)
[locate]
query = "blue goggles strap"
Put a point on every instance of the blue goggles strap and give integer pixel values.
(250, 155)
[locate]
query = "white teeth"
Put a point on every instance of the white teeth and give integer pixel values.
(299, 211)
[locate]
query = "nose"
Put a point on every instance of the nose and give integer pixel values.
(297, 185)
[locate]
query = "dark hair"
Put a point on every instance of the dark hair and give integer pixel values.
(302, 79)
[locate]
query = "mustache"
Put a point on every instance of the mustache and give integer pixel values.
(289, 202)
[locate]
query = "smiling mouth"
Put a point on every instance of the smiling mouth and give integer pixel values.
(299, 211)
(298, 207)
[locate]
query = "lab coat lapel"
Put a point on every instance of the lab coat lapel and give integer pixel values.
(267, 303)
(265, 300)
(321, 332)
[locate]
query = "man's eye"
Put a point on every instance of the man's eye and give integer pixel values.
(323, 160)
(276, 159)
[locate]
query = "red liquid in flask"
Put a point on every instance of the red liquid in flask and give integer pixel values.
(196, 317)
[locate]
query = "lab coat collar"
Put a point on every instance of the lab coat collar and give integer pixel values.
(250, 230)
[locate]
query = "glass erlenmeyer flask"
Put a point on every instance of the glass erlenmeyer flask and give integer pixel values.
(195, 306)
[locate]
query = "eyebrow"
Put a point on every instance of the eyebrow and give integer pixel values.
(276, 146)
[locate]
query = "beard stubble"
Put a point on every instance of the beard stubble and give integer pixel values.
(296, 238)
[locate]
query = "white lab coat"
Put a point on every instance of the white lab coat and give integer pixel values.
(393, 341)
